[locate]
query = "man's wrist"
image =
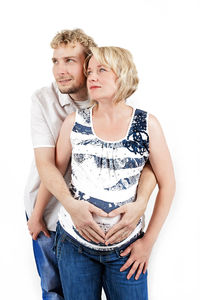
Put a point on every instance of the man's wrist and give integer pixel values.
(37, 215)
(69, 204)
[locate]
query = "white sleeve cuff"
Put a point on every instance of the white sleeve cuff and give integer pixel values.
(43, 146)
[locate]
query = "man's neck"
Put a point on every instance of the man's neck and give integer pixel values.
(81, 96)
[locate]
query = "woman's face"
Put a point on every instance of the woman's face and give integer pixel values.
(101, 81)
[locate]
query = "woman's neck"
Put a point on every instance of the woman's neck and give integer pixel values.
(109, 110)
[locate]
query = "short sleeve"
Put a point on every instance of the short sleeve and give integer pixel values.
(40, 131)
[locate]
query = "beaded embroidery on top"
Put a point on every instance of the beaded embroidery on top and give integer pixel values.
(138, 140)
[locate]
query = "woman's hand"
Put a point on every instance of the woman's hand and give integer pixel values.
(37, 225)
(130, 215)
(139, 252)
(81, 213)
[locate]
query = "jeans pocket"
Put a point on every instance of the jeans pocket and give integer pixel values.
(54, 248)
(59, 240)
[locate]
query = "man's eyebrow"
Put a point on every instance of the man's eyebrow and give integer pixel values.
(69, 57)
(64, 57)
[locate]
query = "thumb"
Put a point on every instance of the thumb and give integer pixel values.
(117, 211)
(126, 251)
(98, 211)
(34, 236)
(46, 232)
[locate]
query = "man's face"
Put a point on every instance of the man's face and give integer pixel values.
(68, 69)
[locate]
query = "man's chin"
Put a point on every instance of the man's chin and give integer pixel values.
(64, 90)
(68, 90)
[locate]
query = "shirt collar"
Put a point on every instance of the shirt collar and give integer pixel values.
(64, 99)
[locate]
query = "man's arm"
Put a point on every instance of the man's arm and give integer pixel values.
(36, 222)
(52, 177)
(42, 138)
(146, 185)
(132, 212)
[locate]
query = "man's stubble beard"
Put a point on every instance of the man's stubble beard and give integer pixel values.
(72, 89)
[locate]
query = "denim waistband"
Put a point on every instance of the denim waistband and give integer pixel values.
(81, 247)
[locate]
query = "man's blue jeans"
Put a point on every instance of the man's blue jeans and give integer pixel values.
(84, 272)
(47, 267)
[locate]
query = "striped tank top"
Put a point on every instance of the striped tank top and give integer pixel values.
(106, 173)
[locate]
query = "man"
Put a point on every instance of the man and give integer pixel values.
(50, 106)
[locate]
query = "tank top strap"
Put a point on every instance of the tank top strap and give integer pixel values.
(137, 140)
(82, 122)
(83, 116)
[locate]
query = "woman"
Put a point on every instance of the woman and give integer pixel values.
(109, 145)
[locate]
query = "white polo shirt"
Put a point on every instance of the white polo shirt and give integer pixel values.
(48, 111)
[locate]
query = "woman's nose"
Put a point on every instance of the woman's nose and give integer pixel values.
(93, 77)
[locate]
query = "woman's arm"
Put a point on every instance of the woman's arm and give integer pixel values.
(161, 163)
(162, 166)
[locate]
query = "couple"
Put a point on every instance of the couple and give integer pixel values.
(99, 241)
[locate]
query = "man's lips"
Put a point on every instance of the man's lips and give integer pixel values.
(63, 81)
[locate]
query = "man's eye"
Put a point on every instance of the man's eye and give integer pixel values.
(54, 61)
(69, 60)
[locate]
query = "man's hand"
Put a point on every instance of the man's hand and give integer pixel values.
(37, 225)
(82, 215)
(130, 215)
(139, 252)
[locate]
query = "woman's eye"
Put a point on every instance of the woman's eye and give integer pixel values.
(88, 73)
(102, 70)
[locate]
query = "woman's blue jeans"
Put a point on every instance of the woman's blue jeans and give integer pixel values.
(85, 271)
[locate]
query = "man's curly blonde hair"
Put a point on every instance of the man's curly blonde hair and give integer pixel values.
(74, 36)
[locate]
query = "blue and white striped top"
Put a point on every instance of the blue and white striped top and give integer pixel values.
(106, 173)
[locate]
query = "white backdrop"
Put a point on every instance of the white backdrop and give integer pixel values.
(164, 39)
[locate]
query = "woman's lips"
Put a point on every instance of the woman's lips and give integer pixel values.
(94, 87)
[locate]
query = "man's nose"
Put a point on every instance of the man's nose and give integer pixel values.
(62, 69)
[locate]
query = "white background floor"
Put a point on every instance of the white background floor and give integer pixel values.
(164, 39)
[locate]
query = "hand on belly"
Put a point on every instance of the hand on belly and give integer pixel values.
(106, 223)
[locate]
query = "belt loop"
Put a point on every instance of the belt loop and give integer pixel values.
(80, 250)
(117, 252)
(55, 242)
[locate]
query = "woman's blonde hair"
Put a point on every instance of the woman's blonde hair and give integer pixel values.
(66, 37)
(121, 62)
